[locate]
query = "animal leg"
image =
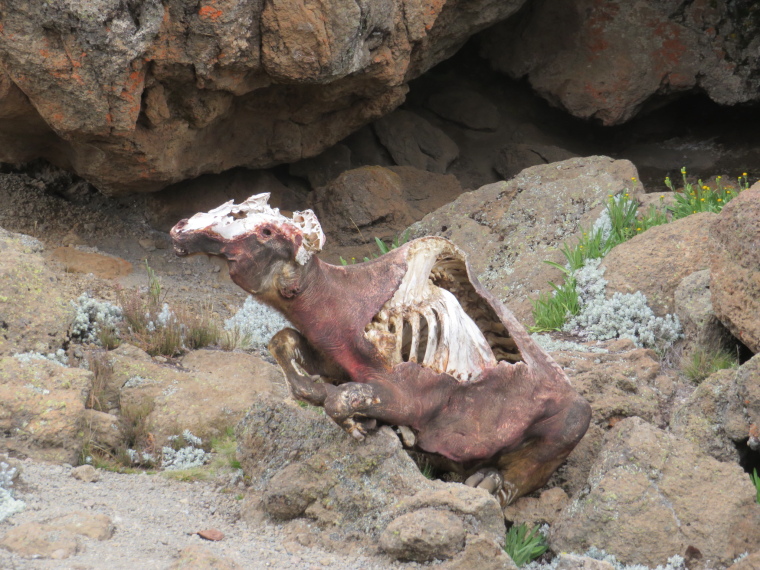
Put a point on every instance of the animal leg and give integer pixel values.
(305, 370)
(552, 440)
(349, 404)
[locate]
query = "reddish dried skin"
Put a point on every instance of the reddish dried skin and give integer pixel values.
(522, 419)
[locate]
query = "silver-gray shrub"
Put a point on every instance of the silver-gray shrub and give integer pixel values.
(8, 505)
(624, 315)
(90, 316)
(187, 457)
(258, 322)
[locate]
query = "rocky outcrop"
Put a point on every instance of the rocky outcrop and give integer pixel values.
(607, 60)
(735, 267)
(509, 228)
(33, 314)
(656, 261)
(652, 494)
(391, 199)
(723, 412)
(303, 466)
(134, 96)
(42, 408)
(210, 395)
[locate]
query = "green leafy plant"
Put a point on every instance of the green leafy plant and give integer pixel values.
(550, 310)
(383, 247)
(702, 362)
(700, 197)
(756, 482)
(524, 545)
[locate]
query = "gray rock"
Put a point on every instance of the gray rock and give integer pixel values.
(86, 473)
(509, 228)
(652, 494)
(722, 411)
(57, 537)
(735, 267)
(413, 141)
(515, 158)
(325, 167)
(423, 535)
(693, 305)
(481, 553)
(607, 61)
(301, 465)
(466, 108)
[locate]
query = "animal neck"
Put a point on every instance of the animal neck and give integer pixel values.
(341, 297)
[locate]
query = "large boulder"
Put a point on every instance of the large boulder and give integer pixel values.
(607, 60)
(209, 395)
(33, 314)
(652, 495)
(735, 267)
(42, 408)
(135, 96)
(657, 260)
(303, 466)
(390, 200)
(721, 412)
(509, 228)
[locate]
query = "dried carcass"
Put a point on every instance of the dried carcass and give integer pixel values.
(409, 339)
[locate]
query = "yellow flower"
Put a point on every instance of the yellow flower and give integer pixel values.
(705, 187)
(662, 196)
(638, 229)
(744, 174)
(703, 199)
(719, 200)
(627, 195)
(633, 178)
(683, 170)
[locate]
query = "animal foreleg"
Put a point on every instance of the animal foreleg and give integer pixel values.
(350, 404)
(304, 369)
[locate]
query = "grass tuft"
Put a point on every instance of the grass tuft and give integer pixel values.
(525, 545)
(756, 482)
(703, 362)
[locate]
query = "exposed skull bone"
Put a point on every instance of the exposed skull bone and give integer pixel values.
(231, 220)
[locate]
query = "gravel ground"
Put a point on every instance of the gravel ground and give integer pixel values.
(154, 518)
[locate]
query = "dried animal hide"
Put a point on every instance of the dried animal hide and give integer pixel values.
(411, 339)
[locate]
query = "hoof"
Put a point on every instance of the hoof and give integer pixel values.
(489, 479)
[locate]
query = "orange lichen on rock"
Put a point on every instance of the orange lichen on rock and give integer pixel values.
(210, 13)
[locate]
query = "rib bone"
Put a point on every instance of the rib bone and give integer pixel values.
(455, 344)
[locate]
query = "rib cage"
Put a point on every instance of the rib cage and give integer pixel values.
(436, 317)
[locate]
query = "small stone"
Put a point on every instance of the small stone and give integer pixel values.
(147, 244)
(423, 535)
(572, 562)
(86, 473)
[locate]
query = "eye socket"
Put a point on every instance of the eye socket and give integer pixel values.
(266, 232)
